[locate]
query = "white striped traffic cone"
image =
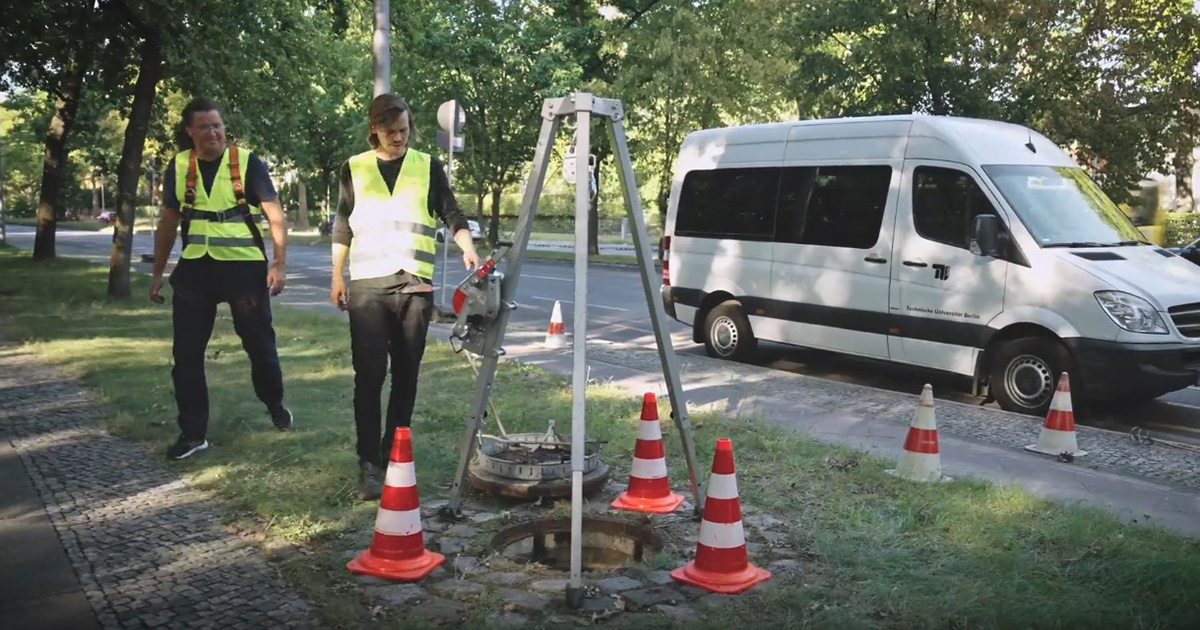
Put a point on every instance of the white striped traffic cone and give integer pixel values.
(556, 335)
(920, 460)
(722, 564)
(1058, 433)
(649, 489)
(398, 548)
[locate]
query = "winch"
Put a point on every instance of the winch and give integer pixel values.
(477, 303)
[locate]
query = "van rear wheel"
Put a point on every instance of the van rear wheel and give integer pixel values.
(1025, 374)
(727, 333)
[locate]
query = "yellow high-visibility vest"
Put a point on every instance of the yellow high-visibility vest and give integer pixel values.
(392, 231)
(218, 222)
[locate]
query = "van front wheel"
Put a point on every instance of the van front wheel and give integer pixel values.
(727, 333)
(1025, 374)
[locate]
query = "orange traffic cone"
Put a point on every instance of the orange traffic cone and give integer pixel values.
(556, 335)
(1058, 434)
(920, 460)
(649, 489)
(721, 563)
(398, 548)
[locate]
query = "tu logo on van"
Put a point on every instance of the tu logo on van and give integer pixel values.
(941, 272)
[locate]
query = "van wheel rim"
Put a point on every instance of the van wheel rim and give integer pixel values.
(724, 336)
(1029, 381)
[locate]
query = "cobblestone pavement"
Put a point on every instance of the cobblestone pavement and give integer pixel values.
(149, 550)
(1107, 450)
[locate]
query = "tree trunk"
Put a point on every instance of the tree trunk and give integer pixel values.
(494, 223)
(594, 204)
(302, 211)
(494, 229)
(55, 161)
(1183, 163)
(129, 171)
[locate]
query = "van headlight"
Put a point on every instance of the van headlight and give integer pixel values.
(1131, 312)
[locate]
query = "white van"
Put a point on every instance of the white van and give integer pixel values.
(970, 246)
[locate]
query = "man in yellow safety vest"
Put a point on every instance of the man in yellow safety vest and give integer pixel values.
(224, 260)
(392, 198)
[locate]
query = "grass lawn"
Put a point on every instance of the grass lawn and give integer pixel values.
(85, 225)
(879, 552)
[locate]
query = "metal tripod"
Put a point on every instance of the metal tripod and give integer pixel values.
(583, 106)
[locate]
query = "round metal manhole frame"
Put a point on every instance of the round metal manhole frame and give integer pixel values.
(493, 484)
(490, 448)
(640, 531)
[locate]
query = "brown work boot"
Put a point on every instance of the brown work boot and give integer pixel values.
(370, 481)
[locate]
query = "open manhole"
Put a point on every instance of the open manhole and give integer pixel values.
(532, 466)
(608, 543)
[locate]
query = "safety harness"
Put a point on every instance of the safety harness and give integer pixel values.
(242, 209)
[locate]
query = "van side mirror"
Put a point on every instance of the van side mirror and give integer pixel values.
(985, 238)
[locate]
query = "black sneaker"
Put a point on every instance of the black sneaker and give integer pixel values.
(370, 481)
(184, 447)
(282, 419)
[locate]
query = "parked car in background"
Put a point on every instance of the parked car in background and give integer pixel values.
(476, 232)
(108, 216)
(1191, 251)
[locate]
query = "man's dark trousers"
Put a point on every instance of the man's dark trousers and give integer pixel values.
(385, 322)
(200, 285)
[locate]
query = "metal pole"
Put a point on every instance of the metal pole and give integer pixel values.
(583, 121)
(381, 49)
(3, 205)
(512, 273)
(650, 287)
(450, 179)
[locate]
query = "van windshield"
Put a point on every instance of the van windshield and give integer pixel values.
(1062, 207)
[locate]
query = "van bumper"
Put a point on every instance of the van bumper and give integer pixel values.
(1111, 370)
(668, 303)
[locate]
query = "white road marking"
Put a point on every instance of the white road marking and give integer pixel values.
(529, 275)
(546, 299)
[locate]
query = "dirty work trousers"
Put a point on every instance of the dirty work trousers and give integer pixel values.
(386, 322)
(200, 284)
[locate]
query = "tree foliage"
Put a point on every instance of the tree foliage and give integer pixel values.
(1114, 81)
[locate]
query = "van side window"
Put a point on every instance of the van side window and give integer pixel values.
(835, 206)
(945, 204)
(729, 203)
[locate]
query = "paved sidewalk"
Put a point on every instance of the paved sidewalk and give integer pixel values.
(97, 533)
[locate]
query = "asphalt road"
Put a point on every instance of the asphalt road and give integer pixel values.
(617, 312)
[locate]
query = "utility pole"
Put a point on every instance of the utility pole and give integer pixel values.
(3, 205)
(381, 49)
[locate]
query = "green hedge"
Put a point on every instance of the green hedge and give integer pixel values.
(1182, 228)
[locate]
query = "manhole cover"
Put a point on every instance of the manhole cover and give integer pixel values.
(608, 543)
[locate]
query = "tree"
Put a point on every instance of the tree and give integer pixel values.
(252, 58)
(677, 76)
(51, 47)
(1102, 78)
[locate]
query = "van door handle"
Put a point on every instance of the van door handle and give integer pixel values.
(875, 259)
(914, 263)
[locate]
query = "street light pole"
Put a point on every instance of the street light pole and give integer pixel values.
(381, 49)
(3, 205)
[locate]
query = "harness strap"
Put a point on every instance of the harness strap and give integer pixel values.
(189, 197)
(239, 193)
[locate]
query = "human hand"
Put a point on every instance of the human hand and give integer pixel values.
(338, 294)
(155, 288)
(275, 279)
(471, 258)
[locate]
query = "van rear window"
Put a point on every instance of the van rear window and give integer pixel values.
(729, 203)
